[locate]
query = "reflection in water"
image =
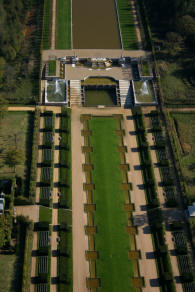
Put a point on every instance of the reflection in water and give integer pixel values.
(95, 24)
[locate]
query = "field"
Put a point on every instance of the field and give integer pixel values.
(47, 24)
(112, 243)
(63, 25)
(7, 273)
(16, 131)
(129, 37)
(185, 128)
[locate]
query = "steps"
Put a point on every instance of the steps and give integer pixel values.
(124, 88)
(75, 92)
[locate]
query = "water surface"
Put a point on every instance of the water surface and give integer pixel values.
(94, 24)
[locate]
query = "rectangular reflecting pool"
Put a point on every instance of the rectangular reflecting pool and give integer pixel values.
(94, 24)
(94, 97)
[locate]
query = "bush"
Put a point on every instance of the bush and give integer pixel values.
(187, 277)
(33, 171)
(176, 225)
(21, 201)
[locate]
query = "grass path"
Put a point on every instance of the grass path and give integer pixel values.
(113, 266)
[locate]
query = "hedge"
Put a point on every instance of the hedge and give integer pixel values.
(35, 142)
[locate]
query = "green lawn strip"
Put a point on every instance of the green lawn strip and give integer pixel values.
(112, 242)
(65, 265)
(127, 27)
(47, 23)
(27, 260)
(63, 24)
(185, 129)
(45, 214)
(52, 68)
(7, 266)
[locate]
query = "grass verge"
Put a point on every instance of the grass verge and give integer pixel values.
(127, 27)
(63, 25)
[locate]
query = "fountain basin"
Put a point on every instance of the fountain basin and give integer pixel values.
(55, 91)
(144, 91)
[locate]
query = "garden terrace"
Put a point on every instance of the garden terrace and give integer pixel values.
(47, 16)
(154, 213)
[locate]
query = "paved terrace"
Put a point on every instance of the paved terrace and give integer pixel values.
(82, 72)
(93, 53)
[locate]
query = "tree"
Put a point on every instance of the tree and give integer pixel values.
(14, 157)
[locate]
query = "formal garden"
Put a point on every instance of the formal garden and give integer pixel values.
(103, 142)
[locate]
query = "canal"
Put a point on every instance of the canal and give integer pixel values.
(94, 24)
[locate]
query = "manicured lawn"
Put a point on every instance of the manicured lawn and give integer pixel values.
(47, 23)
(7, 273)
(129, 37)
(45, 214)
(185, 127)
(111, 241)
(16, 131)
(63, 24)
(52, 68)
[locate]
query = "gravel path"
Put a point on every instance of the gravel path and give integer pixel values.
(54, 234)
(53, 30)
(80, 240)
(143, 239)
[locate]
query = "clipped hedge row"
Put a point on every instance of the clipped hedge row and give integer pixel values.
(146, 162)
(166, 176)
(35, 143)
